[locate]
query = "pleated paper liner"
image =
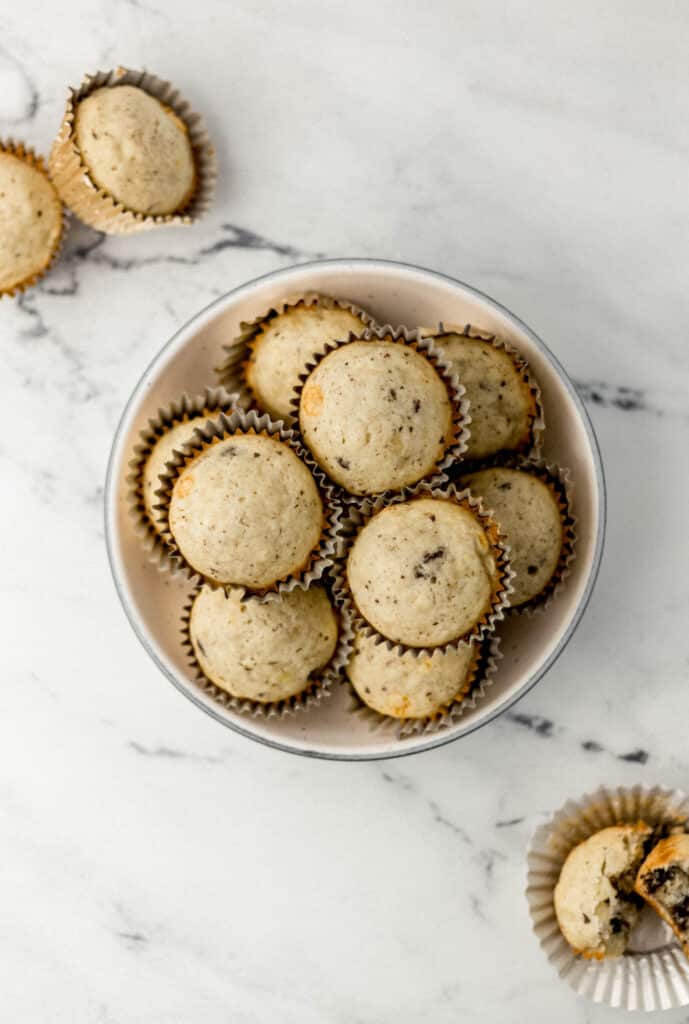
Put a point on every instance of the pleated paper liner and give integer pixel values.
(28, 156)
(94, 205)
(532, 443)
(559, 480)
(653, 974)
(355, 518)
(317, 691)
(478, 680)
(232, 372)
(184, 409)
(241, 422)
(461, 417)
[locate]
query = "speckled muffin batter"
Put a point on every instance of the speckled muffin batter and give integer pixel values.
(263, 651)
(530, 521)
(422, 572)
(663, 881)
(501, 404)
(30, 220)
(406, 685)
(376, 415)
(246, 511)
(595, 902)
(136, 149)
(283, 347)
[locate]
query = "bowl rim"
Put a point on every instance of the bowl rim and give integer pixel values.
(442, 739)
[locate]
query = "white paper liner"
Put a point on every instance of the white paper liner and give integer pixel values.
(653, 974)
(27, 154)
(489, 656)
(94, 205)
(241, 422)
(357, 515)
(461, 413)
(208, 404)
(532, 447)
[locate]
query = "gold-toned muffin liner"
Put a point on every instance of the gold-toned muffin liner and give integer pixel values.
(478, 680)
(220, 428)
(653, 974)
(96, 206)
(31, 158)
(232, 372)
(461, 412)
(532, 444)
(355, 517)
(559, 480)
(317, 691)
(207, 404)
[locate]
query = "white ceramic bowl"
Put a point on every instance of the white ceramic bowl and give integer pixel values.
(394, 293)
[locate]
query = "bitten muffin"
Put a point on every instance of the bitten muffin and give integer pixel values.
(284, 345)
(530, 521)
(247, 511)
(30, 219)
(595, 902)
(501, 402)
(376, 416)
(263, 651)
(136, 149)
(663, 881)
(423, 572)
(406, 685)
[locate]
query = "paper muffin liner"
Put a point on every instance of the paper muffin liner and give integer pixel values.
(207, 404)
(317, 690)
(25, 153)
(240, 422)
(653, 974)
(461, 413)
(96, 206)
(532, 445)
(479, 679)
(232, 372)
(559, 480)
(355, 518)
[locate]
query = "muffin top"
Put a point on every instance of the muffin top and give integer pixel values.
(263, 651)
(376, 415)
(422, 572)
(30, 220)
(530, 521)
(155, 464)
(589, 898)
(136, 149)
(247, 511)
(406, 685)
(501, 404)
(283, 347)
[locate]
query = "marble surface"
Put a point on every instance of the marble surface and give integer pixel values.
(155, 867)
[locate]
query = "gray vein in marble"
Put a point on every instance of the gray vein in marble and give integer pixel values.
(625, 398)
(32, 99)
(509, 822)
(547, 729)
(536, 723)
(171, 754)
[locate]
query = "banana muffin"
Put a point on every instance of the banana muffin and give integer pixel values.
(376, 415)
(156, 462)
(595, 902)
(30, 218)
(263, 651)
(663, 881)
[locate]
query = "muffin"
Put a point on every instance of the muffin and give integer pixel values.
(31, 221)
(595, 902)
(156, 462)
(245, 510)
(377, 415)
(426, 572)
(504, 401)
(282, 343)
(406, 685)
(264, 651)
(130, 154)
(663, 881)
(529, 514)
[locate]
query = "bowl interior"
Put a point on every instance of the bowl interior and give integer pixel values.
(395, 294)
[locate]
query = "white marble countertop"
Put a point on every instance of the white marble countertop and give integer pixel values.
(155, 866)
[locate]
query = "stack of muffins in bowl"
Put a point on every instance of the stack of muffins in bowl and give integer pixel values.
(356, 506)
